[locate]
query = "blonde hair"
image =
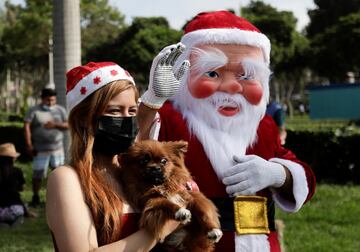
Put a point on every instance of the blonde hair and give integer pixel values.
(104, 203)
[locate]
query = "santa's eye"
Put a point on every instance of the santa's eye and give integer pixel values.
(245, 76)
(211, 74)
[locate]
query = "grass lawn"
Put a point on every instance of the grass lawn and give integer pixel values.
(329, 222)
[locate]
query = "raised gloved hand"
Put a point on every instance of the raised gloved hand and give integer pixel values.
(252, 174)
(164, 82)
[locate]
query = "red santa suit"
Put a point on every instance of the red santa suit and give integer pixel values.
(174, 127)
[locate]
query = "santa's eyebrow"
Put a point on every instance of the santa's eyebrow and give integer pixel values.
(209, 58)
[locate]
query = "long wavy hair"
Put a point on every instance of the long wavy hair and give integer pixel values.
(104, 203)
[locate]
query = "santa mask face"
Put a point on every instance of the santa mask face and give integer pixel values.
(230, 69)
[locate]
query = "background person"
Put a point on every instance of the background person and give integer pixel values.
(218, 106)
(276, 111)
(44, 126)
(85, 205)
(12, 208)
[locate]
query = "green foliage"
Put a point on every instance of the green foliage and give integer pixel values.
(137, 45)
(279, 26)
(335, 35)
(328, 13)
(341, 53)
(330, 147)
(333, 156)
(288, 48)
(328, 222)
(25, 33)
(100, 23)
(21, 47)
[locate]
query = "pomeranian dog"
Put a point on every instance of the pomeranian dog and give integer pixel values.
(155, 181)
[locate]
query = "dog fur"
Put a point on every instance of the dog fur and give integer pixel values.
(154, 178)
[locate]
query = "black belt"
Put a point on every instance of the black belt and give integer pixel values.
(226, 210)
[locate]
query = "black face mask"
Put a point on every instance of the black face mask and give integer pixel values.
(115, 134)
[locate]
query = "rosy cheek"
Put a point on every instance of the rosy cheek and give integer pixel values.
(253, 93)
(202, 88)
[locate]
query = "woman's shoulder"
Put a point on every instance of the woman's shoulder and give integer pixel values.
(64, 177)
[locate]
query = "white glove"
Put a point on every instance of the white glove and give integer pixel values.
(163, 81)
(252, 174)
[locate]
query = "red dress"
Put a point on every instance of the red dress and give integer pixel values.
(174, 128)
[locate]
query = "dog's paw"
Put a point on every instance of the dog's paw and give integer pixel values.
(215, 235)
(183, 215)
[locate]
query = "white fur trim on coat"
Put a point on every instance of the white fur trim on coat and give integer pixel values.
(300, 186)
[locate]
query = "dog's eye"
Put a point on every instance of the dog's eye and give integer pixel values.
(163, 161)
(145, 160)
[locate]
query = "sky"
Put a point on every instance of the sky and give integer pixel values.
(178, 12)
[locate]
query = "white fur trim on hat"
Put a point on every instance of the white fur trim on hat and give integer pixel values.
(95, 80)
(228, 36)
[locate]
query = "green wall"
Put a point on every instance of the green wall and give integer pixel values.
(340, 101)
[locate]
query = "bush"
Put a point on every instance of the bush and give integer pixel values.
(333, 154)
(11, 117)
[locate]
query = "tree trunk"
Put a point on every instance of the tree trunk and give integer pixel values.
(67, 46)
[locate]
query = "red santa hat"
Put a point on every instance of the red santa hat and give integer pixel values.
(84, 80)
(224, 27)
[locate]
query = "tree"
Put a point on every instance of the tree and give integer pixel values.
(328, 13)
(25, 33)
(100, 24)
(287, 48)
(137, 45)
(24, 46)
(335, 36)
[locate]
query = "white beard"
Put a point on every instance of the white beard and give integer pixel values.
(222, 137)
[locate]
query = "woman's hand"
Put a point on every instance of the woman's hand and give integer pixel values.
(169, 227)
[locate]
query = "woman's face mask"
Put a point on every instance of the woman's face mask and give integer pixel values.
(115, 134)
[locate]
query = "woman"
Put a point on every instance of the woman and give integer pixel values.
(12, 207)
(85, 205)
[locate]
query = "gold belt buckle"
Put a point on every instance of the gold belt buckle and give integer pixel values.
(250, 215)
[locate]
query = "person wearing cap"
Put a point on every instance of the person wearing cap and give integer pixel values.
(211, 89)
(44, 126)
(12, 208)
(85, 205)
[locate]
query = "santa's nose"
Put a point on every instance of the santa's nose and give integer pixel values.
(231, 85)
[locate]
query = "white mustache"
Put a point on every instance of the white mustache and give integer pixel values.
(220, 100)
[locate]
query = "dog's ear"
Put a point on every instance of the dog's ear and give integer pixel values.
(178, 147)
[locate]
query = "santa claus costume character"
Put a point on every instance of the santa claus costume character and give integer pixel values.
(211, 89)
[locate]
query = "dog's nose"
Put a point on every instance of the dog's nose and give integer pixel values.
(155, 171)
(154, 175)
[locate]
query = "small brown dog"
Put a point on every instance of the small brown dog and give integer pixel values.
(155, 181)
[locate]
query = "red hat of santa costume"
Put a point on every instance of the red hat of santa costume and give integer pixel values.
(224, 27)
(84, 80)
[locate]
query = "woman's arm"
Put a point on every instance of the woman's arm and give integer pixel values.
(70, 219)
(145, 119)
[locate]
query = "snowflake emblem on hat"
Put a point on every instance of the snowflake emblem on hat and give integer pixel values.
(97, 80)
(127, 73)
(83, 90)
(113, 72)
